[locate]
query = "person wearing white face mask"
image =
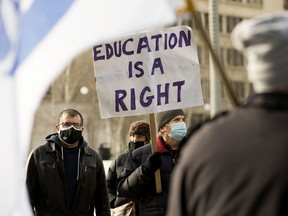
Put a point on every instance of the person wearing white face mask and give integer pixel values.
(65, 176)
(137, 181)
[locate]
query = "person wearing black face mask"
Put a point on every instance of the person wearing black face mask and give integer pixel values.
(62, 174)
(139, 133)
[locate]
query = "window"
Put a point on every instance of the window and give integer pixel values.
(255, 2)
(234, 58)
(206, 21)
(232, 22)
(220, 23)
(222, 54)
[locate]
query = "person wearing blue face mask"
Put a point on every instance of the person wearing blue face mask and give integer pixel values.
(178, 130)
(137, 181)
(174, 130)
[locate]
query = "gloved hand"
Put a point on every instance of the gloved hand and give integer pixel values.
(152, 163)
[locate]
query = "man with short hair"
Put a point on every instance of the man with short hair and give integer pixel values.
(65, 176)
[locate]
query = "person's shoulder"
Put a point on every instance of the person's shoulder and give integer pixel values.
(206, 122)
(141, 152)
(142, 149)
(205, 135)
(91, 151)
(39, 151)
(41, 147)
(121, 159)
(122, 155)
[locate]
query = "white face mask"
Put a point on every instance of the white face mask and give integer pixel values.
(178, 131)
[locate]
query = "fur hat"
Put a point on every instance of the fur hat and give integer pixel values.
(264, 40)
(163, 118)
(140, 128)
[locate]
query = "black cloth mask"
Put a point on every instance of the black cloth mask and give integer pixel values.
(132, 146)
(70, 135)
(138, 144)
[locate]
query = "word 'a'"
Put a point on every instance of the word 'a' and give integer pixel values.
(137, 68)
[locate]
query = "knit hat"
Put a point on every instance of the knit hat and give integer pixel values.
(140, 128)
(163, 118)
(264, 40)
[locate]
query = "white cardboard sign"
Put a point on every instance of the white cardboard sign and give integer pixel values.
(148, 72)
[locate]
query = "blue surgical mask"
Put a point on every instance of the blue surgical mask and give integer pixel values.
(178, 131)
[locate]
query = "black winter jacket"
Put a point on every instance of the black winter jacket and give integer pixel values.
(47, 185)
(137, 186)
(114, 172)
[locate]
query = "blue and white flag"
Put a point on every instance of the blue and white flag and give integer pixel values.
(38, 38)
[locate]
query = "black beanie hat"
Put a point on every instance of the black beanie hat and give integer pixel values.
(140, 128)
(163, 118)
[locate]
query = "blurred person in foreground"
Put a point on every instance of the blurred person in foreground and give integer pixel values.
(139, 133)
(137, 181)
(237, 163)
(65, 176)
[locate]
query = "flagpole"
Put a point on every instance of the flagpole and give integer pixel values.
(191, 9)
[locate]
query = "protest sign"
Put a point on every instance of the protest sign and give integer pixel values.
(148, 72)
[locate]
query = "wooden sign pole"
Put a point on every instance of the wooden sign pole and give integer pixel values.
(154, 149)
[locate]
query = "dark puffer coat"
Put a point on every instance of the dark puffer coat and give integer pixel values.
(114, 171)
(137, 186)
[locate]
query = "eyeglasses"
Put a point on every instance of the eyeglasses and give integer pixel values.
(69, 124)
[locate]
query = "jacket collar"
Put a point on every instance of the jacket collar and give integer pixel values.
(162, 146)
(269, 101)
(52, 146)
